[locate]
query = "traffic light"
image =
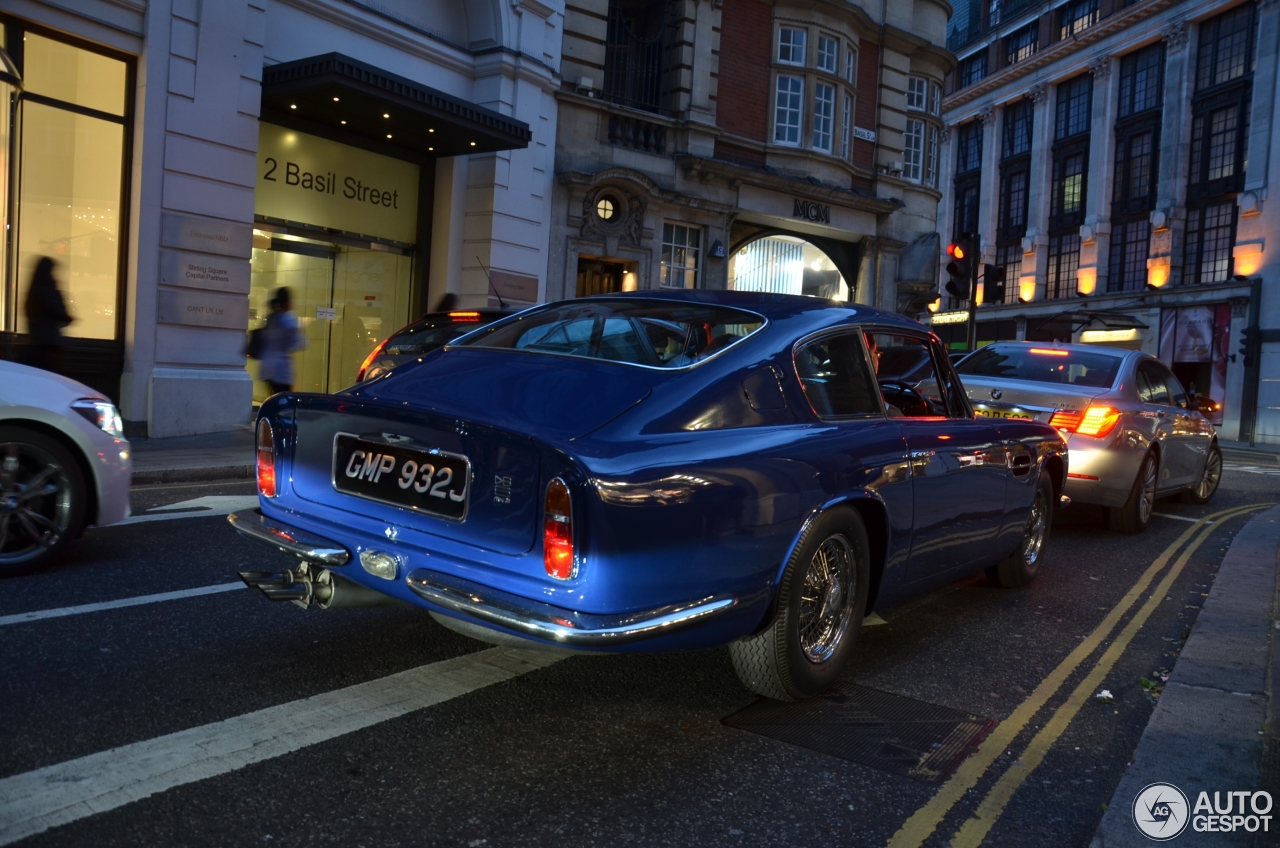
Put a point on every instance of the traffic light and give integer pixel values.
(958, 270)
(1246, 346)
(993, 284)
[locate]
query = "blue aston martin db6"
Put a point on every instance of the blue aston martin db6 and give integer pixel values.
(657, 471)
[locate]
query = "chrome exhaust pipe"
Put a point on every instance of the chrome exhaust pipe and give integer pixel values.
(323, 589)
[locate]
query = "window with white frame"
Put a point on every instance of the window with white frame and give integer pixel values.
(791, 45)
(681, 246)
(828, 54)
(846, 128)
(850, 65)
(931, 159)
(824, 113)
(913, 151)
(917, 93)
(787, 111)
(935, 99)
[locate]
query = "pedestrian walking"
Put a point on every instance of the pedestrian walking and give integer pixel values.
(46, 316)
(282, 337)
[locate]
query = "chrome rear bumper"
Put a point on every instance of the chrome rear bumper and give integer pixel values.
(557, 624)
(252, 524)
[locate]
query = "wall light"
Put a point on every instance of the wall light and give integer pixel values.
(936, 304)
(1027, 288)
(1248, 258)
(1086, 281)
(1157, 272)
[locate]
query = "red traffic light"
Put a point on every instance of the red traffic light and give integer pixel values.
(955, 251)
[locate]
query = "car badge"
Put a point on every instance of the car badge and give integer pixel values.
(391, 533)
(996, 394)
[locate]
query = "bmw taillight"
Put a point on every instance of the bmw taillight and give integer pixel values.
(1097, 421)
(557, 531)
(369, 360)
(266, 460)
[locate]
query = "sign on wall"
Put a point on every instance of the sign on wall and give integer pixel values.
(315, 181)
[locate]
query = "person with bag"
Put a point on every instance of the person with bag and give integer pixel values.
(277, 341)
(46, 316)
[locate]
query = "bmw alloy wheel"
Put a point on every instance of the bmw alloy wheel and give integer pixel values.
(36, 502)
(1212, 474)
(1149, 474)
(825, 608)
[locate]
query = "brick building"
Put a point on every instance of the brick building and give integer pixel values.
(753, 145)
(1113, 157)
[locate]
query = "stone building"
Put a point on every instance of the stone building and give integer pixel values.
(1113, 159)
(181, 160)
(749, 144)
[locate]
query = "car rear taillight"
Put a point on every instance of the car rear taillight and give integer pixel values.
(266, 460)
(1068, 421)
(1098, 421)
(369, 360)
(557, 531)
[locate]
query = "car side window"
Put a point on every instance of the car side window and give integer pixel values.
(1157, 390)
(1176, 391)
(907, 375)
(836, 380)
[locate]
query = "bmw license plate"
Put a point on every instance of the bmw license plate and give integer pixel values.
(1000, 413)
(430, 481)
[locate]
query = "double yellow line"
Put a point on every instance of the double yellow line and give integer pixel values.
(928, 818)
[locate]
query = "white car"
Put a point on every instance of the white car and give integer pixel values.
(64, 465)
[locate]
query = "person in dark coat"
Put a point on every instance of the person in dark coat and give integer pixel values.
(46, 316)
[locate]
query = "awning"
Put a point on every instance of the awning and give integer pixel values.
(349, 101)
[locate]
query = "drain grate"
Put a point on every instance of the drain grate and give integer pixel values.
(878, 729)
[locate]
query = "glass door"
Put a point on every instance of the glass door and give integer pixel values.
(306, 269)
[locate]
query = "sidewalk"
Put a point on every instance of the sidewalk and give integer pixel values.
(1215, 727)
(1241, 452)
(212, 456)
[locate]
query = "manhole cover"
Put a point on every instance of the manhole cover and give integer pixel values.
(877, 729)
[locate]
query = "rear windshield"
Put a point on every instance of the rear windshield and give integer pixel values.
(655, 333)
(423, 336)
(1090, 369)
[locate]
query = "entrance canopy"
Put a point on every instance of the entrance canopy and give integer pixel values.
(357, 103)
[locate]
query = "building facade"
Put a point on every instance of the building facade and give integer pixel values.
(1111, 160)
(751, 145)
(182, 160)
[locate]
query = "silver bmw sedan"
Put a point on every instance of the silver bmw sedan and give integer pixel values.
(1133, 433)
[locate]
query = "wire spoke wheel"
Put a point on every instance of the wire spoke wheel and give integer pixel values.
(1037, 530)
(37, 507)
(825, 608)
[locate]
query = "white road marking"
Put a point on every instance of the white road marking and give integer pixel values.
(1179, 517)
(872, 620)
(1251, 469)
(37, 615)
(33, 802)
(204, 507)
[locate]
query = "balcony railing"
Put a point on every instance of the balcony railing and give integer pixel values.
(964, 31)
(634, 65)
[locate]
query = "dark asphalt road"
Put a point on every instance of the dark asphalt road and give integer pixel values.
(591, 751)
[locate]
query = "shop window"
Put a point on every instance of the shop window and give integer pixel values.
(828, 54)
(681, 245)
(1023, 43)
(917, 93)
(1226, 48)
(1142, 81)
(791, 45)
(913, 151)
(1077, 17)
(1075, 99)
(787, 116)
(824, 109)
(1064, 262)
(72, 180)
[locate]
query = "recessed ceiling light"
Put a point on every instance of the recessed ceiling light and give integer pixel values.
(433, 129)
(344, 123)
(430, 148)
(473, 144)
(388, 135)
(386, 115)
(335, 100)
(293, 106)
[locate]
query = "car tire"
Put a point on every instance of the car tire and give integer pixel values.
(1210, 477)
(818, 616)
(1019, 568)
(1136, 512)
(55, 509)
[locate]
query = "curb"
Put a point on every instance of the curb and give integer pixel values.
(197, 474)
(1207, 731)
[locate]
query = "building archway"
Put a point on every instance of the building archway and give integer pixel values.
(785, 263)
